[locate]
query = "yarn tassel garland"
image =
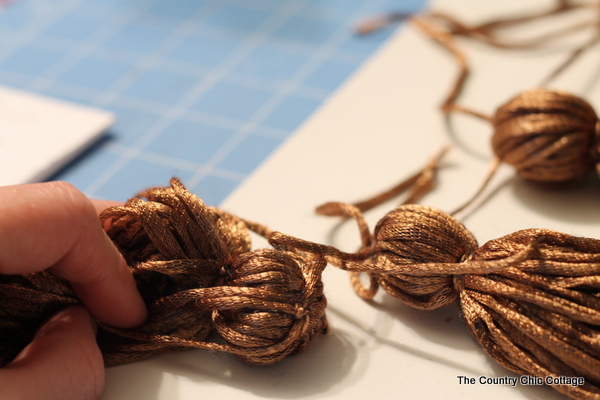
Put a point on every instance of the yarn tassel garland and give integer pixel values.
(195, 269)
(531, 298)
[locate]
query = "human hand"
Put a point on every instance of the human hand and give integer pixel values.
(53, 225)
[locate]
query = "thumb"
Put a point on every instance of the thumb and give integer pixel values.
(62, 362)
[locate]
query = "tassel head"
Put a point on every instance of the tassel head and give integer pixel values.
(284, 308)
(547, 136)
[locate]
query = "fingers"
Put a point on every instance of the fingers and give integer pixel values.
(54, 225)
(62, 362)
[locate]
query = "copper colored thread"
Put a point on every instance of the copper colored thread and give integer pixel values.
(446, 39)
(531, 298)
(491, 172)
(417, 186)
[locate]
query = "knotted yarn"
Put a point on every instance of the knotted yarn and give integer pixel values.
(195, 269)
(270, 306)
(548, 136)
(529, 298)
(551, 138)
(265, 334)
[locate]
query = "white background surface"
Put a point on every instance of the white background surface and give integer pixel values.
(383, 125)
(38, 134)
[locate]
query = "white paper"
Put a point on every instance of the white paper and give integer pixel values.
(39, 135)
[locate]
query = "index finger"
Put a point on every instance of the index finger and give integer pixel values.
(54, 225)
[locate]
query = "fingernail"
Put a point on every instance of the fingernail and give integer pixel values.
(66, 317)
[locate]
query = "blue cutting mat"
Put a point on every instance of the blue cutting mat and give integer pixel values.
(202, 90)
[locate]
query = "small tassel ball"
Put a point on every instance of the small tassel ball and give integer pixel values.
(284, 309)
(548, 136)
(417, 234)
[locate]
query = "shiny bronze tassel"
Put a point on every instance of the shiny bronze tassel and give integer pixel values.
(530, 298)
(195, 270)
(270, 305)
(550, 137)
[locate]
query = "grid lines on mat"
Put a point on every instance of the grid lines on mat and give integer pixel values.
(202, 90)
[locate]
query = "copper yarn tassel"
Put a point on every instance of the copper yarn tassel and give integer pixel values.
(550, 137)
(195, 270)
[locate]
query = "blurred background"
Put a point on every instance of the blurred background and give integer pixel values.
(202, 90)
